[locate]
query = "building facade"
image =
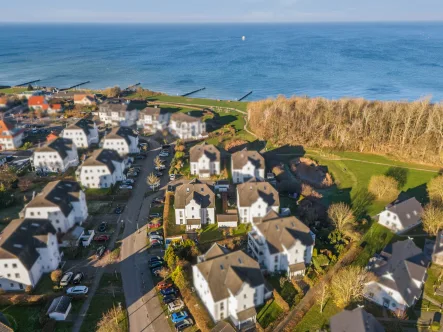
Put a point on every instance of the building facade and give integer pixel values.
(124, 140)
(246, 165)
(55, 156)
(401, 216)
(11, 138)
(187, 127)
(118, 112)
(204, 160)
(153, 119)
(83, 133)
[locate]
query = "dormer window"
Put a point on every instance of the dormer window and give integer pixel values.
(408, 216)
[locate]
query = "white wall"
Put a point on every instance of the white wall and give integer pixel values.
(257, 209)
(52, 162)
(204, 163)
(240, 175)
(121, 145)
(381, 292)
(100, 176)
(392, 221)
(188, 130)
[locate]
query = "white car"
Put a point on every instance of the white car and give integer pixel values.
(125, 186)
(77, 290)
(155, 237)
(176, 305)
(66, 278)
(172, 177)
(163, 154)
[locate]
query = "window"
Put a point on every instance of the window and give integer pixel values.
(244, 296)
(17, 275)
(20, 286)
(9, 275)
(32, 214)
(57, 221)
(222, 306)
(14, 266)
(371, 295)
(222, 315)
(6, 265)
(276, 258)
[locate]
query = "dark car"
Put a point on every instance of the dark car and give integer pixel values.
(78, 277)
(140, 156)
(155, 233)
(183, 324)
(155, 259)
(156, 270)
(155, 264)
(158, 174)
(103, 226)
(169, 298)
(100, 251)
(101, 238)
(168, 291)
(118, 210)
(155, 215)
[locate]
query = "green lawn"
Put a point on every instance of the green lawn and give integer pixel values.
(211, 233)
(9, 214)
(242, 229)
(314, 320)
(46, 286)
(268, 313)
(433, 273)
(13, 90)
(200, 102)
(26, 317)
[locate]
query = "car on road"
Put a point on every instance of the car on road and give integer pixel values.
(66, 278)
(184, 324)
(156, 259)
(140, 156)
(169, 298)
(177, 317)
(100, 251)
(101, 238)
(163, 154)
(125, 186)
(155, 215)
(119, 210)
(78, 278)
(77, 290)
(103, 226)
(155, 264)
(158, 174)
(169, 291)
(164, 284)
(172, 177)
(176, 305)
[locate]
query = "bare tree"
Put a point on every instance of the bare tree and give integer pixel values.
(110, 321)
(432, 218)
(322, 294)
(153, 181)
(383, 187)
(341, 215)
(435, 189)
(348, 285)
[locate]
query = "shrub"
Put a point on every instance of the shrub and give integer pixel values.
(56, 276)
(280, 301)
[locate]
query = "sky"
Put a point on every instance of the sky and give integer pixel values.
(218, 11)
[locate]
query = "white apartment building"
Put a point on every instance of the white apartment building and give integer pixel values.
(55, 156)
(247, 164)
(205, 160)
(153, 119)
(118, 112)
(82, 132)
(281, 244)
(102, 169)
(124, 140)
(401, 215)
(230, 285)
(194, 205)
(255, 199)
(11, 138)
(400, 270)
(28, 248)
(187, 127)
(63, 203)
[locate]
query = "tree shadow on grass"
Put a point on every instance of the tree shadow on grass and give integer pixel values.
(361, 202)
(400, 174)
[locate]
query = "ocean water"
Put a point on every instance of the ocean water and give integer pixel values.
(389, 61)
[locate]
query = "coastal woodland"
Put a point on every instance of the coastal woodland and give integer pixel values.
(408, 130)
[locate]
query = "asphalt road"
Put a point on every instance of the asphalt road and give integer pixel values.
(144, 309)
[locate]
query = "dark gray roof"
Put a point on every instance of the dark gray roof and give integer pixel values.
(57, 193)
(121, 133)
(83, 124)
(194, 190)
(408, 211)
(250, 191)
(116, 105)
(182, 117)
(60, 145)
(357, 320)
(153, 111)
(59, 304)
(21, 238)
(230, 271)
(241, 158)
(208, 150)
(223, 326)
(401, 264)
(104, 157)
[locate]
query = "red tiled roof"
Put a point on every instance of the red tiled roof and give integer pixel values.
(3, 100)
(56, 106)
(36, 101)
(80, 97)
(51, 137)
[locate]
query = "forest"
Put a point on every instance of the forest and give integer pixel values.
(411, 131)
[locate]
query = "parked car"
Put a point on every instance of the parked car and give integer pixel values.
(180, 316)
(156, 259)
(155, 264)
(166, 147)
(172, 177)
(156, 244)
(103, 226)
(78, 278)
(156, 270)
(160, 168)
(158, 174)
(163, 154)
(164, 284)
(76, 290)
(140, 156)
(134, 169)
(184, 324)
(154, 215)
(100, 251)
(169, 298)
(155, 237)
(132, 175)
(118, 209)
(125, 186)
(101, 238)
(155, 233)
(159, 200)
(128, 181)
(176, 305)
(169, 291)
(154, 225)
(66, 278)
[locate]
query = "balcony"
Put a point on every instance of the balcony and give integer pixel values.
(255, 246)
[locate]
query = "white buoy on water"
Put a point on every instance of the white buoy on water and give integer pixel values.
(243, 38)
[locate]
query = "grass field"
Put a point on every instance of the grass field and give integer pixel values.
(201, 102)
(268, 314)
(13, 90)
(316, 321)
(432, 279)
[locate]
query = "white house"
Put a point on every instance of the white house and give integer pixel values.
(84, 99)
(118, 112)
(28, 248)
(247, 164)
(59, 308)
(82, 132)
(194, 205)
(401, 216)
(102, 169)
(401, 272)
(281, 244)
(187, 127)
(124, 140)
(230, 285)
(255, 199)
(11, 138)
(357, 320)
(153, 119)
(61, 202)
(56, 156)
(205, 160)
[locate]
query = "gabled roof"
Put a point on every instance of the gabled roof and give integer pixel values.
(154, 111)
(216, 250)
(182, 117)
(209, 150)
(250, 191)
(116, 105)
(104, 157)
(37, 101)
(241, 158)
(121, 133)
(357, 320)
(281, 233)
(57, 194)
(60, 145)
(223, 326)
(21, 238)
(80, 97)
(59, 304)
(7, 126)
(194, 190)
(401, 264)
(408, 211)
(52, 136)
(82, 124)
(228, 272)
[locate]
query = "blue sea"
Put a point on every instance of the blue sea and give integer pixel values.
(389, 61)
